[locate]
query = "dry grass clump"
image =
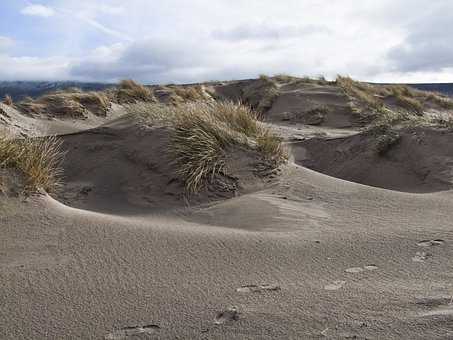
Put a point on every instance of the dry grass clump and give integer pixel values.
(191, 93)
(441, 100)
(365, 93)
(409, 103)
(129, 91)
(8, 100)
(405, 97)
(399, 91)
(68, 104)
(97, 103)
(152, 112)
(57, 104)
(204, 132)
(177, 95)
(284, 78)
(37, 158)
(271, 147)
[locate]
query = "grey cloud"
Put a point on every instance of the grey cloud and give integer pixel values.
(428, 45)
(157, 61)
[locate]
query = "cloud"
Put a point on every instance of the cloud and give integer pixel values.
(180, 41)
(38, 11)
(265, 31)
(29, 68)
(428, 45)
(184, 59)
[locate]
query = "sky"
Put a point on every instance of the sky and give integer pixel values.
(180, 41)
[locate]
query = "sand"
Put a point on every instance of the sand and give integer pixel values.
(305, 256)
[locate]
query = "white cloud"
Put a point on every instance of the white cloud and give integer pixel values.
(266, 31)
(38, 10)
(181, 41)
(29, 68)
(5, 44)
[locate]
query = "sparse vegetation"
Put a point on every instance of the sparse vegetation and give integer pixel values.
(361, 92)
(387, 105)
(405, 98)
(68, 104)
(97, 103)
(38, 159)
(191, 93)
(385, 138)
(284, 78)
(129, 91)
(316, 115)
(443, 101)
(443, 119)
(260, 94)
(386, 141)
(203, 134)
(8, 100)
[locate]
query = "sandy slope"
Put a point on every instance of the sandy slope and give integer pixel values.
(69, 273)
(421, 160)
(299, 256)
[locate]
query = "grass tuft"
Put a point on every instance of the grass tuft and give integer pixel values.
(69, 104)
(38, 159)
(405, 98)
(441, 100)
(204, 133)
(360, 91)
(130, 92)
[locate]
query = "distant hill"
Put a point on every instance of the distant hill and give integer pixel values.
(20, 89)
(445, 88)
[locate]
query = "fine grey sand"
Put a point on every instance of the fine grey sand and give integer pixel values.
(118, 253)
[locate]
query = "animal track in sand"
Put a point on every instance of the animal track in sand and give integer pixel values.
(131, 332)
(257, 289)
(335, 285)
(420, 256)
(430, 243)
(226, 316)
(369, 267)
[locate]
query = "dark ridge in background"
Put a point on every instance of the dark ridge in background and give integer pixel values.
(18, 90)
(444, 88)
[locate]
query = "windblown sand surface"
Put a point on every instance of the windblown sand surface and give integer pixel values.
(297, 255)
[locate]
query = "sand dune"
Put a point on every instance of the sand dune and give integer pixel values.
(119, 252)
(420, 162)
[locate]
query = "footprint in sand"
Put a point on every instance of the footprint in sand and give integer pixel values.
(131, 332)
(420, 256)
(335, 285)
(257, 289)
(369, 267)
(430, 243)
(226, 316)
(442, 305)
(354, 270)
